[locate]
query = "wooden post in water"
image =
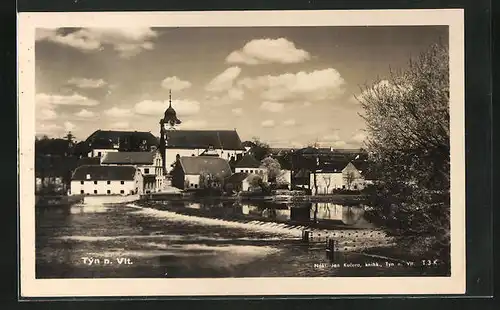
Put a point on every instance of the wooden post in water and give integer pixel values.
(330, 249)
(305, 235)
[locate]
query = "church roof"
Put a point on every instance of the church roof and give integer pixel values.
(202, 139)
(111, 173)
(248, 161)
(195, 165)
(130, 158)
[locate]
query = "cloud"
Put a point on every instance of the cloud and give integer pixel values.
(175, 84)
(359, 137)
(87, 83)
(272, 106)
(237, 111)
(118, 112)
(69, 126)
(75, 99)
(119, 125)
(315, 85)
(127, 42)
(194, 124)
(268, 123)
(46, 114)
(183, 107)
(85, 114)
(224, 81)
(263, 51)
(307, 104)
(235, 94)
(50, 129)
(289, 122)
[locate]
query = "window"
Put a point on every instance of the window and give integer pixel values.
(146, 170)
(95, 191)
(109, 182)
(122, 192)
(108, 191)
(82, 192)
(99, 154)
(251, 171)
(355, 186)
(192, 184)
(95, 182)
(122, 182)
(196, 186)
(82, 182)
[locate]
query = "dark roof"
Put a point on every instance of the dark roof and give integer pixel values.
(248, 161)
(302, 173)
(131, 158)
(236, 178)
(104, 173)
(198, 164)
(106, 138)
(333, 166)
(202, 139)
(88, 161)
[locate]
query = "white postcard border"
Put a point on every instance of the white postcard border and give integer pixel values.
(31, 287)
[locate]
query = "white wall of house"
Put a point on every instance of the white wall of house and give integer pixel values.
(259, 171)
(193, 180)
(328, 181)
(170, 154)
(286, 176)
(102, 187)
(108, 187)
(100, 152)
(358, 182)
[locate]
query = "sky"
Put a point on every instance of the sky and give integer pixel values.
(288, 86)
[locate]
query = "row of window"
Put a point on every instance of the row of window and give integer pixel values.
(107, 182)
(107, 192)
(251, 171)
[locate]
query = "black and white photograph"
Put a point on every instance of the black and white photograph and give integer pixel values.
(162, 148)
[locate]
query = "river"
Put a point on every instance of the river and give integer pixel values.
(200, 240)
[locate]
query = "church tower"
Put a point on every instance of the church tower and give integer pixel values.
(168, 122)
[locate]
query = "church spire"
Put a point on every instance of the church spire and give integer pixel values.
(169, 98)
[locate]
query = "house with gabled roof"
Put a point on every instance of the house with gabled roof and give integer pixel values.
(148, 163)
(248, 164)
(194, 172)
(101, 142)
(106, 180)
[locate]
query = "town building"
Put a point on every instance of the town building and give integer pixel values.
(148, 163)
(240, 181)
(336, 175)
(176, 142)
(104, 141)
(195, 172)
(248, 164)
(106, 180)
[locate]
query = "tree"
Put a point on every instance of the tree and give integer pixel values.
(349, 178)
(210, 181)
(260, 150)
(273, 168)
(328, 182)
(407, 118)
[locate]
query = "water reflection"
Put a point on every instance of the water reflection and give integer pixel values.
(307, 213)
